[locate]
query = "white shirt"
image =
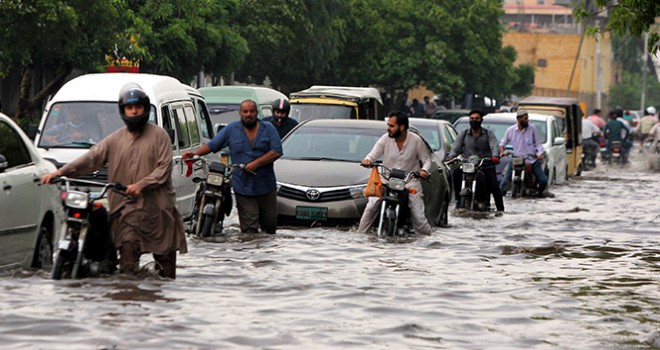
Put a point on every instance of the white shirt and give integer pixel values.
(408, 158)
(588, 129)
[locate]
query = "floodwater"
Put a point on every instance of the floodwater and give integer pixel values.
(580, 270)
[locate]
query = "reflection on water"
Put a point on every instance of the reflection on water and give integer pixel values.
(575, 271)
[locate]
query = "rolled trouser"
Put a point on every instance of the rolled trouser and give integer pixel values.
(166, 264)
(129, 256)
(256, 211)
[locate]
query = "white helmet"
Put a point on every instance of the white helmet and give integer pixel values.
(650, 110)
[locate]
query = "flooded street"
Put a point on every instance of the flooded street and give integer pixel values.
(580, 270)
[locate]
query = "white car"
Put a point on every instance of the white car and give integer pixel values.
(549, 131)
(30, 214)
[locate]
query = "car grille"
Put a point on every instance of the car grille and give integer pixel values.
(325, 196)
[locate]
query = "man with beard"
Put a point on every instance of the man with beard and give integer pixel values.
(406, 151)
(139, 155)
(526, 143)
(483, 143)
(257, 145)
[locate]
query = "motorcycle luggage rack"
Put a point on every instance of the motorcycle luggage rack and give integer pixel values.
(397, 174)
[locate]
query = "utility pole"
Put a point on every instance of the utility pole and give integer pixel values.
(599, 73)
(645, 68)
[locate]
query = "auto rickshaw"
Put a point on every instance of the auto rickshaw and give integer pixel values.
(570, 115)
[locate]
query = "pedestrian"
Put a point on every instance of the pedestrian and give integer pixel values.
(483, 143)
(597, 119)
(256, 144)
(139, 155)
(418, 109)
(525, 141)
(430, 106)
(280, 117)
(403, 150)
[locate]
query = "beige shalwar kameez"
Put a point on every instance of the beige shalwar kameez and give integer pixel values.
(146, 160)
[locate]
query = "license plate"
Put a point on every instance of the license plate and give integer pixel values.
(311, 213)
(64, 244)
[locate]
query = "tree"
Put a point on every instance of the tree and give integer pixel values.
(181, 38)
(626, 17)
(54, 37)
(626, 93)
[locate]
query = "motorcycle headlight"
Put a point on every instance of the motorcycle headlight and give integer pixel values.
(76, 199)
(468, 167)
(357, 191)
(214, 179)
(396, 184)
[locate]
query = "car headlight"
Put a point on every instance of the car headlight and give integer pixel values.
(214, 179)
(357, 191)
(76, 199)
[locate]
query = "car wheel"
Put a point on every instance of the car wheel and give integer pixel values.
(43, 252)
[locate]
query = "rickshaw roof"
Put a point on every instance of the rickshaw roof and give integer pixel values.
(549, 101)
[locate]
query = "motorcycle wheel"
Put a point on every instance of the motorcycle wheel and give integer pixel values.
(515, 188)
(443, 216)
(199, 219)
(390, 222)
(206, 229)
(58, 268)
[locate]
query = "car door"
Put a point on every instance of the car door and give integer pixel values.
(20, 198)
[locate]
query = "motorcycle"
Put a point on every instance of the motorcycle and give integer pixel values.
(473, 195)
(394, 210)
(616, 153)
(213, 201)
(85, 246)
(523, 181)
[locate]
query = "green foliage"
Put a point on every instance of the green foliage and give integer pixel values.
(626, 17)
(627, 93)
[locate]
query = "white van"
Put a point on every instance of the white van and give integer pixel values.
(92, 98)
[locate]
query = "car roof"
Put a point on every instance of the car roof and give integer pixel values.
(238, 93)
(106, 86)
(352, 123)
(427, 122)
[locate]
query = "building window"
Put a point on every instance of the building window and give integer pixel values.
(542, 62)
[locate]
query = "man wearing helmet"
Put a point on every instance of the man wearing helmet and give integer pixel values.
(139, 155)
(280, 117)
(256, 144)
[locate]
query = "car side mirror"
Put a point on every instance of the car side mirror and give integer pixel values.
(170, 133)
(559, 141)
(3, 164)
(32, 131)
(218, 127)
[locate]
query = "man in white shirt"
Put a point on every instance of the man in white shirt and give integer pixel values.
(591, 147)
(403, 150)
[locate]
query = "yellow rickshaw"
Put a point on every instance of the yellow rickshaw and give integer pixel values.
(570, 114)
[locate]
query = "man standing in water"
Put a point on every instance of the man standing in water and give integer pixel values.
(139, 155)
(257, 145)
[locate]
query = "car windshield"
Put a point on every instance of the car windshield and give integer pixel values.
(218, 108)
(499, 127)
(302, 112)
(322, 143)
(81, 124)
(432, 135)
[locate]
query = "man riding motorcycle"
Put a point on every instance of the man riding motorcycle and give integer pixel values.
(481, 142)
(524, 139)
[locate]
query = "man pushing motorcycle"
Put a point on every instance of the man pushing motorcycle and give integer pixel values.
(139, 155)
(403, 150)
(483, 143)
(525, 141)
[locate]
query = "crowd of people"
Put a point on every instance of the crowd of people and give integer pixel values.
(151, 223)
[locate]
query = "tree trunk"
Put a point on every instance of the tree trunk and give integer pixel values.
(30, 106)
(23, 110)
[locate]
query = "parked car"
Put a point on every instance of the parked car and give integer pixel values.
(548, 128)
(30, 214)
(320, 178)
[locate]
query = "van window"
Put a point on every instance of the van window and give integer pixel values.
(193, 128)
(181, 128)
(204, 119)
(167, 120)
(267, 111)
